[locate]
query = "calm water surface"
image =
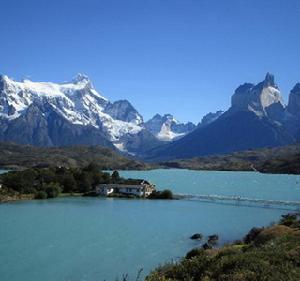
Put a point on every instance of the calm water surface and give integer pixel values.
(99, 239)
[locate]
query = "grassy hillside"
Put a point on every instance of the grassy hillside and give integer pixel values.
(284, 159)
(21, 156)
(265, 254)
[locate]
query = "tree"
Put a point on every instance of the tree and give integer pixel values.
(23, 181)
(41, 195)
(115, 177)
(84, 182)
(68, 182)
(52, 189)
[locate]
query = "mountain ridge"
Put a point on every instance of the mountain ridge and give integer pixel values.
(257, 118)
(52, 114)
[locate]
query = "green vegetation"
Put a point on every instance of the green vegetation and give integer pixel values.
(284, 159)
(50, 182)
(14, 156)
(164, 194)
(282, 165)
(265, 254)
(42, 183)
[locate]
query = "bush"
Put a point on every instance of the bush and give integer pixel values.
(41, 195)
(194, 253)
(252, 234)
(165, 194)
(213, 239)
(52, 189)
(288, 219)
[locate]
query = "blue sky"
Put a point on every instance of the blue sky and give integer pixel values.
(167, 56)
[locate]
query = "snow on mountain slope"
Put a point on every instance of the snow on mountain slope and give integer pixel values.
(167, 128)
(166, 133)
(76, 101)
(263, 99)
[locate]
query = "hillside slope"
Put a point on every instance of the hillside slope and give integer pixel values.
(20, 156)
(285, 159)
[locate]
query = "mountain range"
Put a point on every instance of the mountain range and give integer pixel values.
(51, 114)
(257, 118)
(73, 113)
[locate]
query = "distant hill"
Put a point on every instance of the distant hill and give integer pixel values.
(21, 156)
(284, 159)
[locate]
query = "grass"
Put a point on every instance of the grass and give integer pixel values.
(266, 254)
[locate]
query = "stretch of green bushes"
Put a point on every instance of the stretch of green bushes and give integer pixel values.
(50, 182)
(265, 254)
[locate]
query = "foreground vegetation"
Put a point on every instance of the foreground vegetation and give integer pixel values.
(15, 156)
(285, 160)
(265, 254)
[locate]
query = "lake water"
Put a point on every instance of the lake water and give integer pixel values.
(94, 239)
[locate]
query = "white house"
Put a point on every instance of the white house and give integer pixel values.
(105, 190)
(144, 189)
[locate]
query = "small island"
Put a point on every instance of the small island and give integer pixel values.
(51, 182)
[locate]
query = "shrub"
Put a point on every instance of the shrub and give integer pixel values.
(41, 195)
(52, 189)
(165, 194)
(252, 234)
(288, 219)
(194, 253)
(213, 239)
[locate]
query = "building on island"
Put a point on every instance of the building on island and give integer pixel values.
(142, 189)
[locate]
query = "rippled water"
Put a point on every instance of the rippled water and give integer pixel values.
(100, 239)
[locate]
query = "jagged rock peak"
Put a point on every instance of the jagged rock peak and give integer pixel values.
(123, 110)
(81, 78)
(157, 115)
(2, 80)
(167, 128)
(210, 117)
(263, 99)
(296, 89)
(269, 80)
(294, 101)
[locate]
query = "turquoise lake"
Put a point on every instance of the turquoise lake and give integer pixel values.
(91, 239)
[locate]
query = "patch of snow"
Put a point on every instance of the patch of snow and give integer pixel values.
(166, 134)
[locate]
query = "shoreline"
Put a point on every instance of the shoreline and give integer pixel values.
(271, 248)
(165, 167)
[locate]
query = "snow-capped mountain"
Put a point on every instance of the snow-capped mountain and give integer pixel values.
(257, 118)
(167, 128)
(75, 103)
(51, 114)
